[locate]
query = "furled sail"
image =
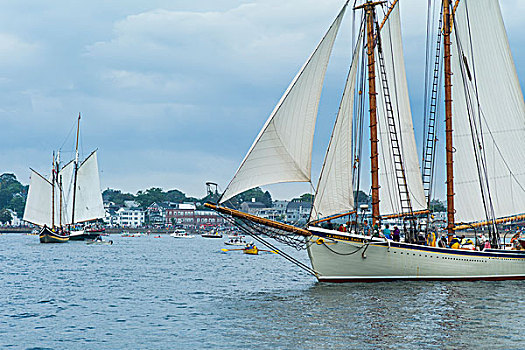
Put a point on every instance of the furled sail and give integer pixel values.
(282, 151)
(88, 198)
(392, 48)
(489, 129)
(38, 208)
(334, 192)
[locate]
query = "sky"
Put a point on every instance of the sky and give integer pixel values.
(173, 93)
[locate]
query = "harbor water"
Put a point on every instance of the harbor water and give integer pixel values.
(166, 293)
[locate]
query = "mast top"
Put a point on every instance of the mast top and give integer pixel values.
(369, 4)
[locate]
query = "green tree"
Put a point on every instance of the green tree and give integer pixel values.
(306, 197)
(247, 196)
(437, 206)
(5, 216)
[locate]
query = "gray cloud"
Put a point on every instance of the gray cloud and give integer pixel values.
(172, 92)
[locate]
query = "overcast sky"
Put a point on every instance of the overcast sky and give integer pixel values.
(173, 93)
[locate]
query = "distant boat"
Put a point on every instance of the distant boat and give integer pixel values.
(236, 241)
(180, 233)
(70, 195)
(213, 234)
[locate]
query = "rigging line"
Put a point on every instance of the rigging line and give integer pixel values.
(345, 254)
(479, 113)
(474, 130)
(390, 178)
(267, 244)
(360, 121)
(479, 147)
(396, 99)
(68, 135)
(354, 58)
(427, 71)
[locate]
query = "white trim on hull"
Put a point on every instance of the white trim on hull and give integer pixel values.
(342, 260)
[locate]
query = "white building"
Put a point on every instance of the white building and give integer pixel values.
(129, 217)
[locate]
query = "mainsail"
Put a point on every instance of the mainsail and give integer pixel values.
(282, 151)
(488, 114)
(88, 199)
(334, 192)
(38, 208)
(392, 49)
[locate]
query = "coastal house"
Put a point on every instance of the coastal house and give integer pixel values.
(181, 214)
(130, 217)
(298, 212)
(252, 207)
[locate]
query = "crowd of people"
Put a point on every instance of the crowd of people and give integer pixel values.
(480, 242)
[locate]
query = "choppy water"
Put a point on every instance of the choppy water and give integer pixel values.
(151, 293)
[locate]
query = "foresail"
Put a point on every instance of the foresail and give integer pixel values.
(38, 204)
(486, 71)
(88, 200)
(335, 192)
(392, 48)
(282, 151)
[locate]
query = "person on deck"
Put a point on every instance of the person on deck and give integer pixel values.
(341, 228)
(387, 233)
(396, 236)
(366, 228)
(455, 243)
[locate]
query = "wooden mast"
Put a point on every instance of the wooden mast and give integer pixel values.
(369, 8)
(76, 171)
(53, 192)
(447, 21)
(59, 181)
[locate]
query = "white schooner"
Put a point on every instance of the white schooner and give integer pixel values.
(485, 143)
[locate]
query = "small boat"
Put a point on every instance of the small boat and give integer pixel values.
(213, 234)
(88, 233)
(236, 241)
(125, 234)
(99, 241)
(251, 249)
(49, 236)
(180, 233)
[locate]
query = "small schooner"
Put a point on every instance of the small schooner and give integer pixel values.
(69, 196)
(485, 135)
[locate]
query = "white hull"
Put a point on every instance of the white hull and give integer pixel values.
(343, 260)
(181, 236)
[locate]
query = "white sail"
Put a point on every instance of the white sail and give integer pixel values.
(282, 151)
(38, 204)
(65, 176)
(487, 71)
(392, 48)
(335, 192)
(88, 199)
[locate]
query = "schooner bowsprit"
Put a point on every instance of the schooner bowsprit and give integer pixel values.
(71, 195)
(485, 128)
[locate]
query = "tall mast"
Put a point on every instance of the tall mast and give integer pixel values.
(447, 19)
(76, 171)
(59, 181)
(53, 192)
(369, 8)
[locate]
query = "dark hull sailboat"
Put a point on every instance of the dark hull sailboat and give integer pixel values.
(48, 236)
(87, 234)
